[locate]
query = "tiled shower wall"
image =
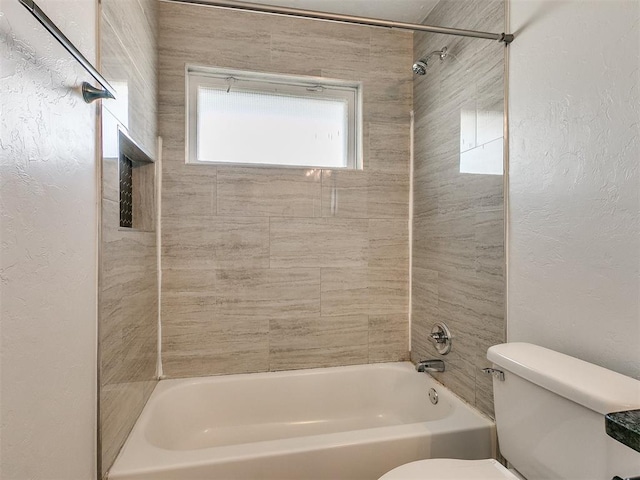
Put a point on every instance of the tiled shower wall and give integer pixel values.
(128, 292)
(259, 271)
(458, 250)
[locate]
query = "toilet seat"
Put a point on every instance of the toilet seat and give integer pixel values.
(449, 469)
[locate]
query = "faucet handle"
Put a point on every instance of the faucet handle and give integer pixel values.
(441, 338)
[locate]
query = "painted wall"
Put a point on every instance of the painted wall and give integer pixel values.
(48, 234)
(128, 303)
(259, 273)
(574, 254)
(458, 227)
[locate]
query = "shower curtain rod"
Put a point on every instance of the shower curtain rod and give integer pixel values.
(335, 17)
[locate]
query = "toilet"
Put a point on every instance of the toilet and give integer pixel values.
(550, 410)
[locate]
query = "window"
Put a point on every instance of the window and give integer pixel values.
(259, 119)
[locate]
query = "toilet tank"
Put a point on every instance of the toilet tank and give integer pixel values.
(550, 411)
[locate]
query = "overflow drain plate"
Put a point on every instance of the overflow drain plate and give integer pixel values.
(433, 396)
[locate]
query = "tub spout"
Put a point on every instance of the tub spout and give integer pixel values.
(435, 365)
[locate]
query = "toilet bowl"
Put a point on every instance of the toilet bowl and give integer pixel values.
(544, 401)
(448, 469)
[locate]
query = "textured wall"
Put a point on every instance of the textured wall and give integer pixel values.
(48, 235)
(574, 279)
(458, 229)
(128, 301)
(258, 272)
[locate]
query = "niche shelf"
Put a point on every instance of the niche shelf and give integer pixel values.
(136, 172)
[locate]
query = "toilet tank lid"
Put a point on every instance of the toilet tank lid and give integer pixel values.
(601, 390)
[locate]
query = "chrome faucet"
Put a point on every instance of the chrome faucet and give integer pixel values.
(435, 365)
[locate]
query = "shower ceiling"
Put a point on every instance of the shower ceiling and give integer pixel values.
(412, 11)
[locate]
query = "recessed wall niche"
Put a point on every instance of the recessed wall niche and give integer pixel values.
(136, 183)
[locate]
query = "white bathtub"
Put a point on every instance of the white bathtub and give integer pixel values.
(354, 422)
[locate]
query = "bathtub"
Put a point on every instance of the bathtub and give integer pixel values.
(350, 423)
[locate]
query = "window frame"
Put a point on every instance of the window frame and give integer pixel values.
(293, 86)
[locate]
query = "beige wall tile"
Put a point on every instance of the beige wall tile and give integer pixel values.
(123, 66)
(226, 38)
(325, 242)
(192, 194)
(128, 299)
(110, 179)
(345, 194)
(458, 236)
(269, 293)
(280, 278)
(318, 342)
(171, 127)
(389, 50)
(207, 343)
(120, 407)
(388, 338)
(386, 96)
(437, 134)
(389, 146)
(217, 242)
(184, 307)
(388, 195)
(127, 328)
(389, 243)
(128, 341)
(188, 280)
(388, 290)
(424, 315)
(344, 291)
(257, 191)
(136, 27)
(295, 42)
(373, 291)
(425, 198)
(489, 238)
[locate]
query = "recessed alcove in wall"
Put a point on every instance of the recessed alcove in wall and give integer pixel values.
(136, 185)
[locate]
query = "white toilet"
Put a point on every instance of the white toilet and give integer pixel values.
(550, 412)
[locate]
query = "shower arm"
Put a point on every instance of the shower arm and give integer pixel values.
(441, 53)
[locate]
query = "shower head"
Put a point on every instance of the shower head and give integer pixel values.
(420, 67)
